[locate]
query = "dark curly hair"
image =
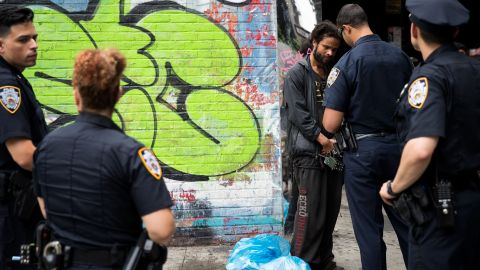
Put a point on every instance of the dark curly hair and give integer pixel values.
(96, 75)
(323, 30)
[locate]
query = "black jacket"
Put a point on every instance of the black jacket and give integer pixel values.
(24, 121)
(303, 127)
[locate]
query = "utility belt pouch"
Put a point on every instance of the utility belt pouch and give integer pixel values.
(146, 254)
(25, 202)
(414, 206)
(346, 138)
(32, 253)
(444, 204)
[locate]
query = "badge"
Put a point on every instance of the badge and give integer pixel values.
(150, 161)
(417, 93)
(332, 77)
(10, 98)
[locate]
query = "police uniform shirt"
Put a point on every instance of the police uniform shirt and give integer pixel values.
(97, 182)
(20, 113)
(365, 83)
(442, 100)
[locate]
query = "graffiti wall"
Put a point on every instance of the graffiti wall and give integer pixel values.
(200, 89)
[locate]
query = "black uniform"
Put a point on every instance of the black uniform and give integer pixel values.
(97, 182)
(318, 187)
(20, 117)
(364, 85)
(442, 100)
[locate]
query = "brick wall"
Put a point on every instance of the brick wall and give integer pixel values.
(200, 89)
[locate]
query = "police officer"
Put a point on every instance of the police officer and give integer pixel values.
(95, 184)
(438, 119)
(22, 127)
(362, 89)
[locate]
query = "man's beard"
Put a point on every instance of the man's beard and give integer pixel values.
(319, 58)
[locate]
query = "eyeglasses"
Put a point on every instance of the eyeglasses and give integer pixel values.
(340, 31)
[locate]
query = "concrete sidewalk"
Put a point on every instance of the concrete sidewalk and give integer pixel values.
(345, 249)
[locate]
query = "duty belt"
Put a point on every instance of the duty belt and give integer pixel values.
(367, 135)
(99, 257)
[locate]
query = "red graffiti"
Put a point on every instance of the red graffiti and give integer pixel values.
(183, 195)
(246, 51)
(262, 36)
(247, 67)
(288, 58)
(248, 91)
(260, 6)
(228, 17)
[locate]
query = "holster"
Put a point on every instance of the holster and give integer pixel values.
(146, 254)
(346, 138)
(25, 202)
(414, 206)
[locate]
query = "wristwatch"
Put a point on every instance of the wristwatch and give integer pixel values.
(390, 191)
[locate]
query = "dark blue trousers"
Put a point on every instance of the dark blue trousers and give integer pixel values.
(432, 248)
(366, 169)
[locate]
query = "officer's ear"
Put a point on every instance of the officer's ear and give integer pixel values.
(414, 30)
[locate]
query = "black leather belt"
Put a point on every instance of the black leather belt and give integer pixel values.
(99, 257)
(367, 135)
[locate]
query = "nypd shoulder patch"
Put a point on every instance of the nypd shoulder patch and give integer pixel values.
(10, 98)
(150, 162)
(332, 77)
(418, 92)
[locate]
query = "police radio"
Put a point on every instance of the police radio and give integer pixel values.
(445, 211)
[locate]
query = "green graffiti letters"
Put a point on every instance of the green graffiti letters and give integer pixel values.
(178, 63)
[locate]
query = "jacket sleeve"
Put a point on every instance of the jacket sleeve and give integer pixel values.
(296, 103)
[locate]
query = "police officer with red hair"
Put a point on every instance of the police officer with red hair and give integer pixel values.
(96, 185)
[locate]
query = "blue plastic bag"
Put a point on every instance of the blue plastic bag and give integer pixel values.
(286, 263)
(253, 253)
